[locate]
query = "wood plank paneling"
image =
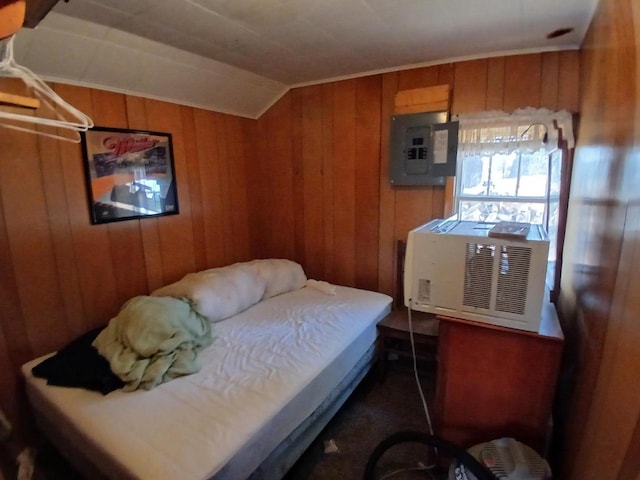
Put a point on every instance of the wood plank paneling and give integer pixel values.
(307, 181)
(51, 164)
(29, 242)
(257, 169)
(344, 152)
(280, 207)
(619, 365)
(311, 175)
(175, 231)
(237, 204)
(442, 204)
(210, 180)
(387, 240)
(568, 81)
(495, 83)
(549, 88)
(475, 86)
(446, 73)
(195, 187)
(367, 174)
(631, 461)
(328, 204)
(297, 146)
(522, 82)
(61, 276)
(418, 78)
(601, 414)
(136, 112)
(8, 381)
(90, 242)
(13, 326)
(471, 84)
(414, 207)
(150, 236)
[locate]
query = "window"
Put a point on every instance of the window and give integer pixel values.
(515, 187)
(509, 168)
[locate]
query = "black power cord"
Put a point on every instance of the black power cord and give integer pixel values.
(410, 436)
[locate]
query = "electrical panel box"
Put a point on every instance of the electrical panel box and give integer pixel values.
(423, 149)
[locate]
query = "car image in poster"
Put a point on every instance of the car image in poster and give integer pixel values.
(130, 174)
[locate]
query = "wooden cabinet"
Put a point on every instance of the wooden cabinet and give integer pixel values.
(496, 382)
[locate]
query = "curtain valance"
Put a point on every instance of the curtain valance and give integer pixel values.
(527, 129)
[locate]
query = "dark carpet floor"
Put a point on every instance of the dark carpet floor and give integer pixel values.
(374, 411)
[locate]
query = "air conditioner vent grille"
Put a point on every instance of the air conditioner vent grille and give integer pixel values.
(477, 276)
(511, 294)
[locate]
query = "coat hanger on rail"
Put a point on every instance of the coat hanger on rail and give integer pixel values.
(68, 121)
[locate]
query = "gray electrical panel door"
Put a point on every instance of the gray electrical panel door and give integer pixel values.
(423, 149)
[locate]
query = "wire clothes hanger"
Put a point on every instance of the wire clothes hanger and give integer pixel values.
(69, 122)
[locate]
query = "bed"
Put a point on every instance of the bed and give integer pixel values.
(275, 374)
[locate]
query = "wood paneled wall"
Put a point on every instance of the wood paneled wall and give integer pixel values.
(307, 181)
(600, 284)
(61, 276)
(322, 196)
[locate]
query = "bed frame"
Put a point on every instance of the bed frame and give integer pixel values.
(274, 467)
(289, 451)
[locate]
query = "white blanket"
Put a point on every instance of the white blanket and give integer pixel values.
(220, 293)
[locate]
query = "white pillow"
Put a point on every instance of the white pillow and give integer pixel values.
(218, 293)
(281, 275)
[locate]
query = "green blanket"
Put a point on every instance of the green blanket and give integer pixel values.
(153, 340)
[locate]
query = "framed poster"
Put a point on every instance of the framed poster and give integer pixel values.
(129, 174)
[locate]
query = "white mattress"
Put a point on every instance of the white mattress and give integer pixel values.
(269, 369)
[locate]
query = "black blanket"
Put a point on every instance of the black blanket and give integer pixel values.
(79, 365)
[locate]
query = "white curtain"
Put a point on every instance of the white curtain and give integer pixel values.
(528, 129)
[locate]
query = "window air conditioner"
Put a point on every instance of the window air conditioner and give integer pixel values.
(454, 268)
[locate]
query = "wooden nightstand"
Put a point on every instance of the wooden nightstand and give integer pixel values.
(394, 336)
